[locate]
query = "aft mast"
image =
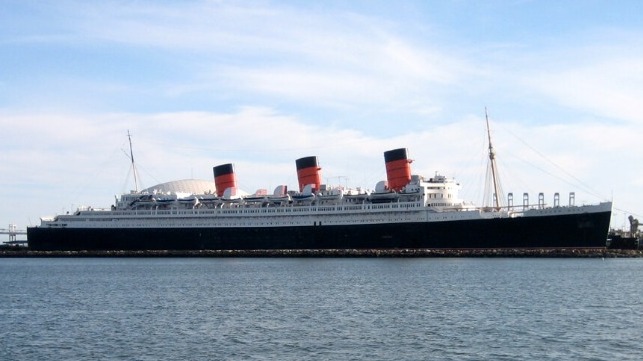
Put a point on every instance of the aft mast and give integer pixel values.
(495, 179)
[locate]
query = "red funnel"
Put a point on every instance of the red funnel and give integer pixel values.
(398, 169)
(224, 178)
(308, 172)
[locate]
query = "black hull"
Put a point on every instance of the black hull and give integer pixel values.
(569, 231)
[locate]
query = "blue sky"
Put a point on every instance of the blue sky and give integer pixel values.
(262, 83)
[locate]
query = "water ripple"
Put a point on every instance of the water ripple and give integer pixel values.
(344, 309)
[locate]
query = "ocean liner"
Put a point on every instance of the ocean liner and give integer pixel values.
(403, 211)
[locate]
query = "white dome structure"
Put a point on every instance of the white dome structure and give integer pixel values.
(190, 186)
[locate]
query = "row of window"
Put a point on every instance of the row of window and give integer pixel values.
(277, 224)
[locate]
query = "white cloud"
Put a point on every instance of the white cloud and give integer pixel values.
(611, 89)
(604, 79)
(336, 59)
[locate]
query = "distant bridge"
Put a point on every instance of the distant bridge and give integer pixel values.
(13, 232)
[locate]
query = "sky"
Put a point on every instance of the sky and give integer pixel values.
(261, 83)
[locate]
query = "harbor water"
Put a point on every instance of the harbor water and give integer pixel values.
(321, 308)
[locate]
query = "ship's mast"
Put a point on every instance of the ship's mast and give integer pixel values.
(497, 189)
(131, 153)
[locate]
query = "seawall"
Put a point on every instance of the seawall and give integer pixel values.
(504, 252)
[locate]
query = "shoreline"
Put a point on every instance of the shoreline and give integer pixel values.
(348, 253)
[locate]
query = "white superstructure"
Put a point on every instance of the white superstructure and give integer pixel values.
(432, 200)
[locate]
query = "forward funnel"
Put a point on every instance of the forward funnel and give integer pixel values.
(308, 172)
(398, 169)
(224, 178)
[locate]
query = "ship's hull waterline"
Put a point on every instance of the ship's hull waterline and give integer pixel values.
(579, 230)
